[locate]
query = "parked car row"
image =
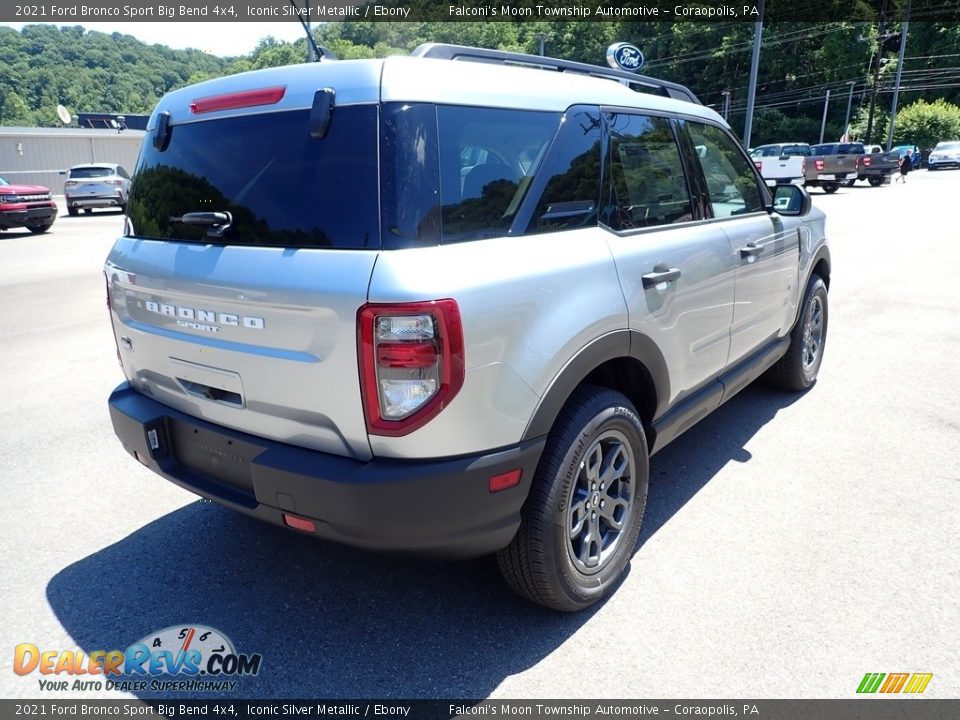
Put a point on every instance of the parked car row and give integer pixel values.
(88, 186)
(827, 166)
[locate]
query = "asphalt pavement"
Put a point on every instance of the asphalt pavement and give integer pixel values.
(791, 544)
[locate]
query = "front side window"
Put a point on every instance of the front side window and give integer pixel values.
(731, 178)
(647, 185)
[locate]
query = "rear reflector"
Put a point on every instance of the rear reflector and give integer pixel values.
(299, 523)
(504, 481)
(230, 101)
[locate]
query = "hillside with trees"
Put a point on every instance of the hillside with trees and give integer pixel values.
(42, 66)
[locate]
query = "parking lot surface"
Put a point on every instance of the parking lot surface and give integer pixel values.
(791, 543)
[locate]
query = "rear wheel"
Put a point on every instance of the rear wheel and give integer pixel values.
(581, 521)
(88, 211)
(830, 188)
(875, 181)
(73, 211)
(797, 370)
(38, 229)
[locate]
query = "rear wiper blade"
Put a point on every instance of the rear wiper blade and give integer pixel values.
(218, 222)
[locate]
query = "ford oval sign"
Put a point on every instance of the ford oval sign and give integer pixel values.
(624, 56)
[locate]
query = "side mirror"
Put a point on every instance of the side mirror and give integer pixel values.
(791, 200)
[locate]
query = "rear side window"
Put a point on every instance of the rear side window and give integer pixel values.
(571, 172)
(487, 160)
(647, 185)
(281, 186)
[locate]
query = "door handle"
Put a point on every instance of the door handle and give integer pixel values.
(750, 250)
(662, 273)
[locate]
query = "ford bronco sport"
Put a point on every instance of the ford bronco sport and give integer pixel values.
(450, 308)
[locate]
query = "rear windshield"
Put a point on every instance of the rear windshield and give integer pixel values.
(281, 186)
(90, 172)
(838, 149)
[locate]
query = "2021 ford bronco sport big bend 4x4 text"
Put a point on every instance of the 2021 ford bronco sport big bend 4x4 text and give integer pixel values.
(450, 307)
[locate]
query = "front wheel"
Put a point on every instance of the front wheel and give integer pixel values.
(581, 520)
(73, 211)
(797, 370)
(830, 188)
(38, 229)
(875, 181)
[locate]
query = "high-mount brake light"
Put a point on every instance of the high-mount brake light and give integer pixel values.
(411, 363)
(242, 99)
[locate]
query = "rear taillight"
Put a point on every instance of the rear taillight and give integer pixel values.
(818, 164)
(70, 183)
(758, 165)
(803, 165)
(866, 161)
(411, 363)
(118, 183)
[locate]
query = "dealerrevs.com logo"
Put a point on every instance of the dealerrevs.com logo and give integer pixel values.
(180, 658)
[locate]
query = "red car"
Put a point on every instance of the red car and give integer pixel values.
(26, 206)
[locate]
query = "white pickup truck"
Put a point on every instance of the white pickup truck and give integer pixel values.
(782, 162)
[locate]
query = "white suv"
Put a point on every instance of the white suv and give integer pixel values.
(450, 308)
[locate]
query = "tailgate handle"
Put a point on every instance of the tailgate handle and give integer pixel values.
(210, 393)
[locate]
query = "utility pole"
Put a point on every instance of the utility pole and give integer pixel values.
(896, 86)
(541, 36)
(754, 70)
(846, 123)
(726, 104)
(823, 123)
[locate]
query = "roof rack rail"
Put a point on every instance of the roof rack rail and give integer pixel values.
(444, 51)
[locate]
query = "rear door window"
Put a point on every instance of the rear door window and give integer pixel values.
(647, 184)
(281, 186)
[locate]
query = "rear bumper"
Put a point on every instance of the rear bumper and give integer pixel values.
(21, 217)
(438, 508)
(90, 201)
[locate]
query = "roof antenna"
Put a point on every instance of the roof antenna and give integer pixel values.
(315, 53)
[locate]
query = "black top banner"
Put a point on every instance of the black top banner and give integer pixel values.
(68, 11)
(864, 709)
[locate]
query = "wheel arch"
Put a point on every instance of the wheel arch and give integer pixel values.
(626, 361)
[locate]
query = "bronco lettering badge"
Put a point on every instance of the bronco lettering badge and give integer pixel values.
(197, 319)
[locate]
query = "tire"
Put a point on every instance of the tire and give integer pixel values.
(830, 188)
(797, 370)
(88, 211)
(850, 183)
(73, 211)
(875, 181)
(38, 229)
(552, 562)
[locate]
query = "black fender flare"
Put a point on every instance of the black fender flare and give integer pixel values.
(617, 344)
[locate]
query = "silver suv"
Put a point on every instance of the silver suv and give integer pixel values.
(96, 185)
(450, 308)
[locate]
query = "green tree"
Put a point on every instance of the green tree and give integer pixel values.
(925, 124)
